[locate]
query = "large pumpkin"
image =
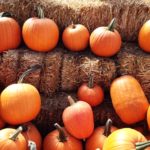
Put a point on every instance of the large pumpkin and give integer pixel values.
(105, 41)
(10, 32)
(126, 139)
(40, 34)
(144, 36)
(91, 93)
(76, 37)
(31, 133)
(12, 139)
(20, 102)
(78, 119)
(98, 137)
(129, 100)
(59, 139)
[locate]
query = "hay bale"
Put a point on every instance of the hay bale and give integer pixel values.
(133, 61)
(52, 109)
(28, 58)
(9, 67)
(50, 76)
(130, 15)
(70, 72)
(103, 70)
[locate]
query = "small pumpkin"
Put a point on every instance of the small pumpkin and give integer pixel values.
(76, 37)
(91, 93)
(78, 119)
(32, 134)
(20, 100)
(12, 139)
(144, 36)
(40, 34)
(105, 41)
(98, 137)
(129, 100)
(10, 36)
(126, 139)
(59, 139)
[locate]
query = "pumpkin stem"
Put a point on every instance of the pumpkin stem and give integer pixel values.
(111, 26)
(40, 12)
(5, 14)
(91, 81)
(16, 133)
(107, 129)
(70, 100)
(142, 145)
(33, 68)
(62, 137)
(24, 127)
(73, 25)
(32, 145)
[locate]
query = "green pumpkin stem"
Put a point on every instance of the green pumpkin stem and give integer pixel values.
(62, 137)
(5, 14)
(16, 133)
(107, 129)
(33, 68)
(111, 26)
(142, 145)
(71, 100)
(32, 145)
(40, 12)
(91, 81)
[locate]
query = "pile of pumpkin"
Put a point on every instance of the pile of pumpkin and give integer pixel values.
(20, 103)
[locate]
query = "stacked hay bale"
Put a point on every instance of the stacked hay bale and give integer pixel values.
(65, 71)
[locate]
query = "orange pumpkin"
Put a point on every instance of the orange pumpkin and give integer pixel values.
(11, 139)
(148, 117)
(31, 133)
(10, 36)
(126, 139)
(91, 93)
(78, 119)
(97, 139)
(144, 36)
(129, 100)
(76, 37)
(105, 41)
(59, 139)
(20, 102)
(40, 34)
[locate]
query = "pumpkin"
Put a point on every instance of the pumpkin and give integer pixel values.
(32, 134)
(91, 93)
(105, 41)
(76, 37)
(148, 117)
(128, 99)
(10, 36)
(40, 34)
(98, 137)
(144, 36)
(20, 102)
(78, 119)
(12, 139)
(126, 139)
(60, 139)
